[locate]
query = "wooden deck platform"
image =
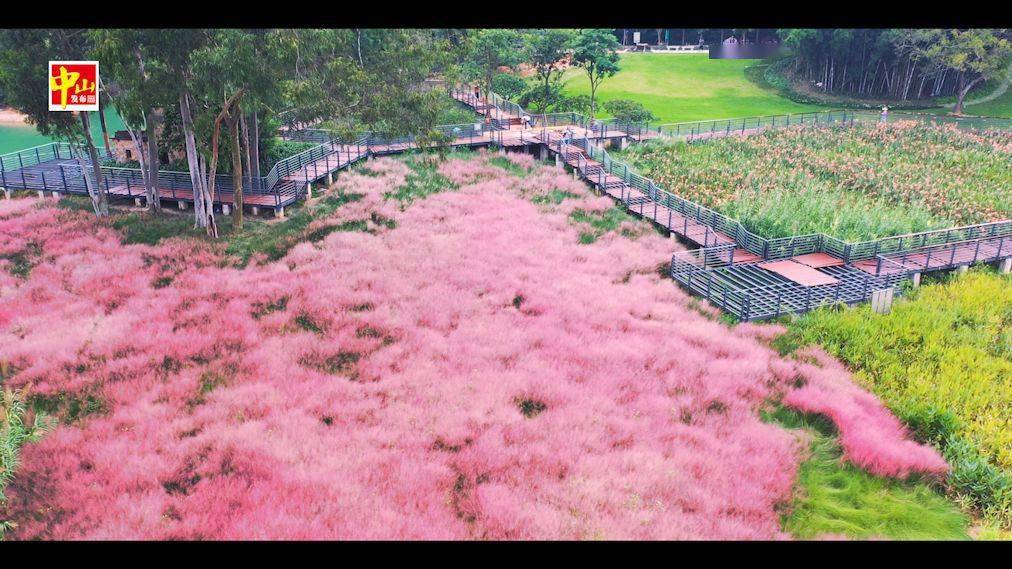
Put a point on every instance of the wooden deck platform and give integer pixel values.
(797, 272)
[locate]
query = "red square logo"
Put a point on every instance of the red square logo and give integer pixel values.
(73, 85)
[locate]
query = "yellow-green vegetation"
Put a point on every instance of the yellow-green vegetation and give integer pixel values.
(835, 498)
(942, 361)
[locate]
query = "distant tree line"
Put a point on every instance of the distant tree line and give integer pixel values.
(898, 64)
(695, 36)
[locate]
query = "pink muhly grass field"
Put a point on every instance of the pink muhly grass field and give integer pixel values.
(472, 373)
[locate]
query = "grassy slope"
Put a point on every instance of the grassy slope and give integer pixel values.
(687, 87)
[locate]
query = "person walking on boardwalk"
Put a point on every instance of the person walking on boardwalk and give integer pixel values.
(477, 96)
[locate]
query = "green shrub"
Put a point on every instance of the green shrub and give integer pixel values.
(509, 85)
(628, 110)
(574, 104)
(275, 150)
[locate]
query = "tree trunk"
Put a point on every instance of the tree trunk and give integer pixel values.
(255, 149)
(89, 183)
(102, 206)
(544, 103)
(964, 88)
(105, 131)
(234, 127)
(137, 138)
(244, 134)
(193, 162)
(154, 120)
(213, 173)
(909, 81)
(358, 34)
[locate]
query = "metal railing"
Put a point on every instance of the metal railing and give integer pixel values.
(767, 249)
(718, 127)
(40, 168)
(733, 289)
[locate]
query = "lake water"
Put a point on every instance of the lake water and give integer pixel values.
(19, 137)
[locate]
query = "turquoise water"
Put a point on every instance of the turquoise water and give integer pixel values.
(19, 137)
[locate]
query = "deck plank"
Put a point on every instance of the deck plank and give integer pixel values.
(801, 274)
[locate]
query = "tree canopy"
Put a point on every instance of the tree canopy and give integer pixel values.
(595, 50)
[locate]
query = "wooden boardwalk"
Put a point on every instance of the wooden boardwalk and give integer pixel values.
(749, 285)
(745, 274)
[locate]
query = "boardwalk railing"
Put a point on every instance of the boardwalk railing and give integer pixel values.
(705, 271)
(977, 123)
(52, 168)
(777, 248)
(332, 147)
(869, 249)
(700, 129)
(15, 167)
(946, 255)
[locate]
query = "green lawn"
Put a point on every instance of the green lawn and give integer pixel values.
(1000, 107)
(19, 137)
(687, 87)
